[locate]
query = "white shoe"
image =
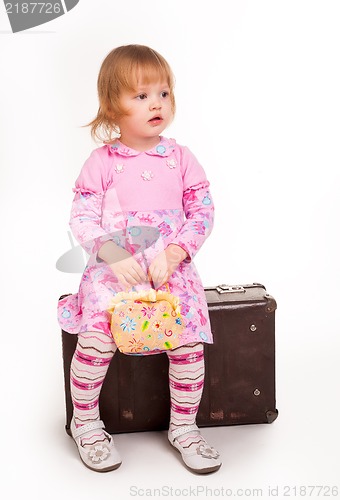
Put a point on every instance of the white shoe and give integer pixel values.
(101, 457)
(203, 459)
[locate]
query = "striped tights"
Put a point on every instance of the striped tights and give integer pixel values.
(186, 381)
(89, 366)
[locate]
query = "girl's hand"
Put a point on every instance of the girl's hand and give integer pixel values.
(165, 263)
(128, 272)
(122, 264)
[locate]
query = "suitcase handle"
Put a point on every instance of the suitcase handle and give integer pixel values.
(230, 289)
(233, 288)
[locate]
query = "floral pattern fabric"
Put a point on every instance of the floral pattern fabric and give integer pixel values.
(143, 201)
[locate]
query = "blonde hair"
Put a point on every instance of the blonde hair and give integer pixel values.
(120, 71)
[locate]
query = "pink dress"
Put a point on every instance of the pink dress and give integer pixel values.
(143, 201)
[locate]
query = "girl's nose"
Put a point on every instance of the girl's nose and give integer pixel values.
(156, 103)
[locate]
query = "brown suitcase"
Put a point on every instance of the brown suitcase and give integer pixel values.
(240, 370)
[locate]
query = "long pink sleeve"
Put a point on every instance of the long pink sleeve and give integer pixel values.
(197, 204)
(86, 211)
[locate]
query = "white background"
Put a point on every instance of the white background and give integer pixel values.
(259, 104)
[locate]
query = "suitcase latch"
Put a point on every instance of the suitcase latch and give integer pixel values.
(230, 289)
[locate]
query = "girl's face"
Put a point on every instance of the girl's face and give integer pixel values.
(148, 113)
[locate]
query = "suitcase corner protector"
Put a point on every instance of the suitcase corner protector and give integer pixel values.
(64, 295)
(272, 415)
(271, 305)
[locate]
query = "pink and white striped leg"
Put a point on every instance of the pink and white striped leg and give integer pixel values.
(186, 380)
(89, 365)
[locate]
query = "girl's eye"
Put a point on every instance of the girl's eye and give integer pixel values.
(165, 94)
(141, 97)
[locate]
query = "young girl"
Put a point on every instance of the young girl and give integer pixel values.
(142, 209)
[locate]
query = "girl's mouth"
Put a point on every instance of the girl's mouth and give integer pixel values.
(155, 120)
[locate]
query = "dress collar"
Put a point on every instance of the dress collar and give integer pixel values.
(164, 148)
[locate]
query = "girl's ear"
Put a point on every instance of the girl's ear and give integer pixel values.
(111, 115)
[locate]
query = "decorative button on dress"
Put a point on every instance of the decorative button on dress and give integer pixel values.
(143, 201)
